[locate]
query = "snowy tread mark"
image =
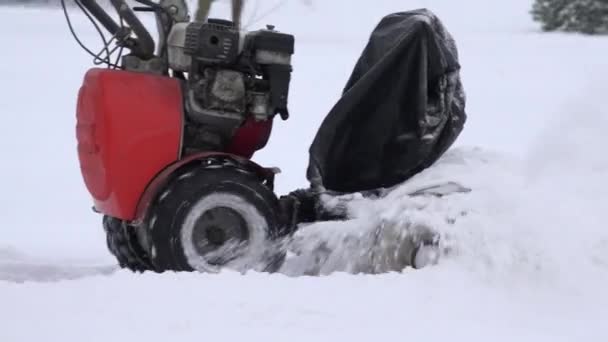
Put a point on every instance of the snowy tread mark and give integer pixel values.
(164, 195)
(152, 222)
(186, 175)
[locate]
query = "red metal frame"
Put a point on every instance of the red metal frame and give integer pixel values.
(250, 137)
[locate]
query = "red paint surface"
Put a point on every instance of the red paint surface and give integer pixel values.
(250, 137)
(128, 129)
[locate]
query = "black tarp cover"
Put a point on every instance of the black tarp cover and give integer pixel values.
(401, 109)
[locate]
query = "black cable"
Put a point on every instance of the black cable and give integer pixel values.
(73, 32)
(106, 46)
(122, 26)
(103, 37)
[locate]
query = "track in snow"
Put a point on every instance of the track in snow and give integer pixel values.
(17, 267)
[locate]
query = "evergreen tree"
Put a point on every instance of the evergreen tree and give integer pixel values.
(586, 16)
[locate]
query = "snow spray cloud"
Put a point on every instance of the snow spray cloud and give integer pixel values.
(540, 220)
(525, 221)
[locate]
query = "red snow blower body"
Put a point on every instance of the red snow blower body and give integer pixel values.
(165, 140)
(129, 131)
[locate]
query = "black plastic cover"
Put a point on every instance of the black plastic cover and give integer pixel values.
(272, 40)
(401, 109)
(279, 77)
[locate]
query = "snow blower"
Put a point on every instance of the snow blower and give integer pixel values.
(166, 134)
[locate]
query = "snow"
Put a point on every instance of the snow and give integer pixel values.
(525, 252)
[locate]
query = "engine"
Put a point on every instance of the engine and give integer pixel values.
(232, 76)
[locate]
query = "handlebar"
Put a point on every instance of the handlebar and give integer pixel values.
(143, 46)
(145, 42)
(101, 15)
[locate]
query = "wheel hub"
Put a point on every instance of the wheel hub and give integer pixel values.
(224, 230)
(218, 234)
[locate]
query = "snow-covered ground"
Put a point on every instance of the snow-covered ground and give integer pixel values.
(527, 248)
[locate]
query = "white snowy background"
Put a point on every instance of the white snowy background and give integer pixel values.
(528, 247)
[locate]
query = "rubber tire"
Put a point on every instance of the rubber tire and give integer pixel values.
(123, 244)
(164, 221)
